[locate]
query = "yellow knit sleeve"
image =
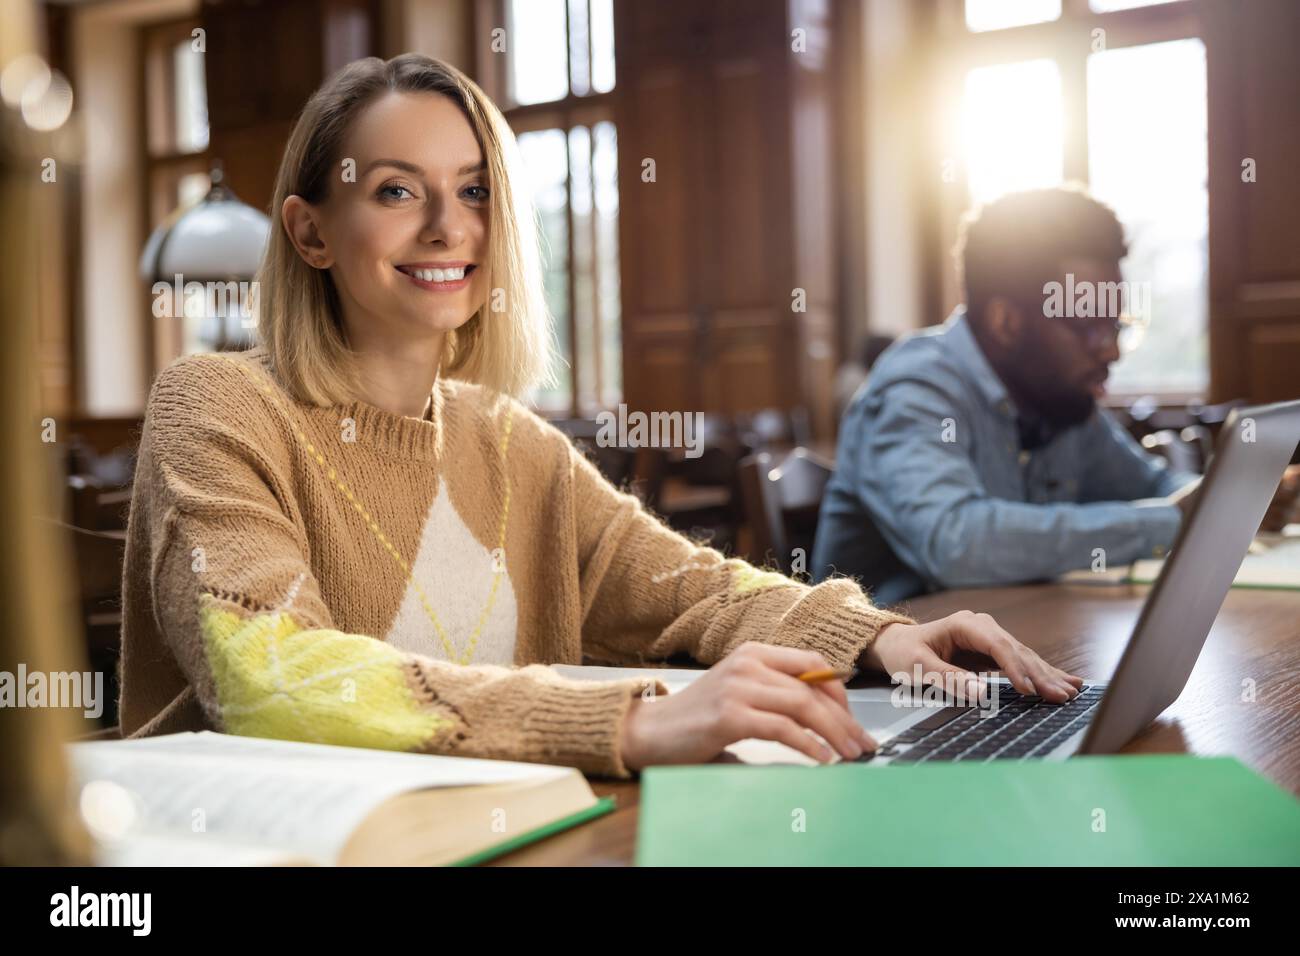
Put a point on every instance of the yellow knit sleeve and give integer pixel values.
(276, 679)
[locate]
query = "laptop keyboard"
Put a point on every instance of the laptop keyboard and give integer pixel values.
(1022, 726)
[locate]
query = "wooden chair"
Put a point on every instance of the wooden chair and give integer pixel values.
(1201, 440)
(102, 447)
(1175, 448)
(616, 464)
(782, 502)
(698, 496)
(95, 506)
(774, 429)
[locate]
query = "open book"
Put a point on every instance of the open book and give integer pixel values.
(212, 799)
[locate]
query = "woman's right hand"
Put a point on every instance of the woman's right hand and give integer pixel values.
(753, 692)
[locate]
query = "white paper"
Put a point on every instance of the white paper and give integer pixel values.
(153, 850)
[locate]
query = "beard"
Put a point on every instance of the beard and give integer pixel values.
(1063, 408)
(1041, 386)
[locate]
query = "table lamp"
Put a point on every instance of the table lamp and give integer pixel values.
(202, 260)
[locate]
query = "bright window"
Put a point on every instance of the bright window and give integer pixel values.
(1000, 14)
(1147, 158)
(1012, 128)
(542, 66)
(558, 73)
(1107, 6)
(1142, 149)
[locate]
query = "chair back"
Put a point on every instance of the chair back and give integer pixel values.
(781, 504)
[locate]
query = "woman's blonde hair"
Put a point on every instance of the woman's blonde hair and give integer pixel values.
(505, 345)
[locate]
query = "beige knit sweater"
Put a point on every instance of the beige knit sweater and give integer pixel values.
(348, 575)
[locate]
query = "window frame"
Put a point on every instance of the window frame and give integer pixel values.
(165, 339)
(564, 114)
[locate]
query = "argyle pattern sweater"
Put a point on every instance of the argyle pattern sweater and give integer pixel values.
(351, 576)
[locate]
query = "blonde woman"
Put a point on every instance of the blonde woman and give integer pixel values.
(353, 534)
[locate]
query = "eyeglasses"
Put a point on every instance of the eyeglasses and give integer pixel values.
(1128, 331)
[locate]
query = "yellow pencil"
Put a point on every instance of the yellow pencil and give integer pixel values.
(822, 676)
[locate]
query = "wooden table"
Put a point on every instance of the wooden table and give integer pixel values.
(1254, 646)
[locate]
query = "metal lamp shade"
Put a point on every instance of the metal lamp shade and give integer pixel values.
(219, 240)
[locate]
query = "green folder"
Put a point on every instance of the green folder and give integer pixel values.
(1163, 810)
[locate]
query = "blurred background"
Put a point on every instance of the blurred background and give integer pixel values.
(742, 202)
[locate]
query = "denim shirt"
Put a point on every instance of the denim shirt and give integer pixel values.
(932, 489)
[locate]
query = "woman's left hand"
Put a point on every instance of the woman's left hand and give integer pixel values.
(900, 648)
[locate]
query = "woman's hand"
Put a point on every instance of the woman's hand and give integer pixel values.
(753, 692)
(900, 648)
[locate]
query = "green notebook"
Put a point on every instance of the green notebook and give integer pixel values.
(1164, 810)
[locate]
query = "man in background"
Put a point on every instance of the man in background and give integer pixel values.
(977, 453)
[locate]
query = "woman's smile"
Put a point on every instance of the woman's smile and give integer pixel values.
(438, 276)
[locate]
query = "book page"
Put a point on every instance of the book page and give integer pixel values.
(302, 799)
(1272, 562)
(194, 850)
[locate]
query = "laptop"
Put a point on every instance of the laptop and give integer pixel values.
(1255, 445)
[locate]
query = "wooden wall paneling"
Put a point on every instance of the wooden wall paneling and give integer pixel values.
(657, 215)
(744, 213)
(352, 30)
(745, 371)
(265, 58)
(746, 264)
(263, 62)
(1254, 92)
(707, 90)
(656, 236)
(1273, 358)
(661, 368)
(656, 116)
(1269, 104)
